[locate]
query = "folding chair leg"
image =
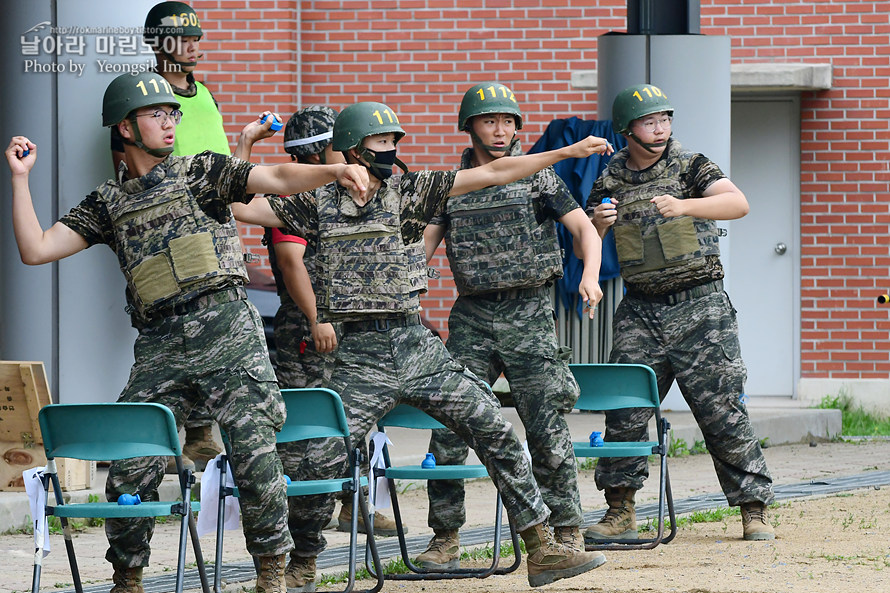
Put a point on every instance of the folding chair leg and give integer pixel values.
(199, 556)
(66, 532)
(220, 521)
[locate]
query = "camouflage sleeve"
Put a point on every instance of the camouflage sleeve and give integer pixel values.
(424, 194)
(552, 198)
(217, 180)
(701, 174)
(298, 213)
(90, 220)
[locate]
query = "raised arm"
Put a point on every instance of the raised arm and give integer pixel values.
(254, 132)
(505, 170)
(36, 246)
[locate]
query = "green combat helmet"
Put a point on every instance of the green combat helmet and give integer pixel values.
(172, 19)
(360, 120)
(485, 98)
(309, 131)
(635, 102)
(127, 93)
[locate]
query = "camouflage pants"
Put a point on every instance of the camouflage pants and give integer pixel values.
(299, 365)
(516, 337)
(374, 371)
(218, 356)
(695, 342)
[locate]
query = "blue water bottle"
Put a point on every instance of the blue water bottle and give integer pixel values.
(429, 462)
(596, 439)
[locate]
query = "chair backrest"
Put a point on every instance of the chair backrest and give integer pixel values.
(615, 386)
(108, 431)
(406, 416)
(312, 413)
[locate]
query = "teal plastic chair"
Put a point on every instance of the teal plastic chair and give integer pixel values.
(108, 432)
(614, 387)
(314, 413)
(405, 416)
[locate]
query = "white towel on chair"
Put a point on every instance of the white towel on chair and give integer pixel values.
(37, 500)
(210, 500)
(379, 487)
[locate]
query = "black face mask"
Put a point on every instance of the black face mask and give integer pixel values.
(380, 162)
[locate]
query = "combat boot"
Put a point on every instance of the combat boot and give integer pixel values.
(755, 522)
(549, 561)
(570, 537)
(383, 525)
(186, 464)
(443, 551)
(619, 522)
(199, 446)
(127, 580)
(299, 576)
(270, 577)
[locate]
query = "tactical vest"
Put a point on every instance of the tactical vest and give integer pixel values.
(280, 287)
(650, 246)
(363, 263)
(169, 250)
(494, 242)
(201, 127)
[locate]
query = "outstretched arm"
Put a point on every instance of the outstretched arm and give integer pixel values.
(36, 246)
(508, 169)
(295, 178)
(588, 247)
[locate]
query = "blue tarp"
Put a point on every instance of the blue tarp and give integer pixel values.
(579, 175)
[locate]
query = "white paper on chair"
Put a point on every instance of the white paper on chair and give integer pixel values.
(210, 500)
(379, 488)
(37, 500)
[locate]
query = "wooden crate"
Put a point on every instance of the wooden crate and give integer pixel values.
(23, 391)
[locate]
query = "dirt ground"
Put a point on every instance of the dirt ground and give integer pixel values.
(837, 543)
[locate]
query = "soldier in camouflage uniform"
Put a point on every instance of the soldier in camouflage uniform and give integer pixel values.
(504, 253)
(661, 202)
(168, 220)
(304, 346)
(372, 270)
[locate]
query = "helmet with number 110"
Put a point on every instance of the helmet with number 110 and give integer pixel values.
(360, 120)
(635, 102)
(487, 97)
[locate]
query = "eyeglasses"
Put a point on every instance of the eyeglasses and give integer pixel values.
(650, 123)
(162, 116)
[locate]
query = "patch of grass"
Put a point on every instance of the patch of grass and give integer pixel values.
(679, 447)
(397, 566)
(856, 421)
(586, 464)
(707, 516)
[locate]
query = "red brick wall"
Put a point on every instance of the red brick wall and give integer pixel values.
(845, 168)
(419, 56)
